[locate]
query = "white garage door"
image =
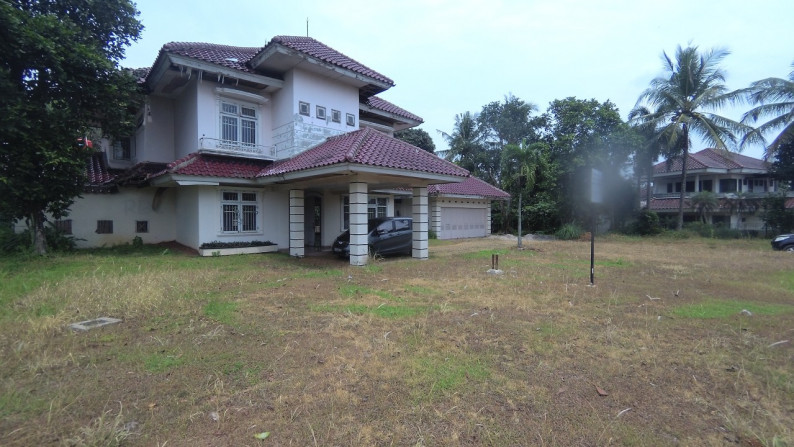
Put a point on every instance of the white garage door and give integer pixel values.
(457, 223)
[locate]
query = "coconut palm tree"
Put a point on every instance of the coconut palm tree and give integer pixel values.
(705, 203)
(683, 98)
(466, 142)
(646, 156)
(774, 99)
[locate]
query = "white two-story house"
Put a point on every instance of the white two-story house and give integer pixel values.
(739, 183)
(286, 143)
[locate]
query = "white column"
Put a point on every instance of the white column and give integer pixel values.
(359, 243)
(420, 225)
(488, 219)
(297, 241)
(435, 218)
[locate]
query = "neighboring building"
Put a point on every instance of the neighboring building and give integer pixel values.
(739, 183)
(286, 143)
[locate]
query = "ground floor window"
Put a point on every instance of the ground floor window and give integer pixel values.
(376, 207)
(239, 211)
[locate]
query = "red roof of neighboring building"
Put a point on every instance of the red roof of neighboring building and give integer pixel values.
(472, 186)
(97, 170)
(386, 106)
(711, 158)
(367, 147)
(225, 55)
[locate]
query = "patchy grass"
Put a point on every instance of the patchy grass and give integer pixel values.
(212, 351)
(712, 308)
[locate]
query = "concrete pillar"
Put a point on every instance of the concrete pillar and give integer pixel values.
(359, 243)
(488, 220)
(420, 226)
(435, 218)
(297, 241)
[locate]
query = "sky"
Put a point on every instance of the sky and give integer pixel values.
(447, 57)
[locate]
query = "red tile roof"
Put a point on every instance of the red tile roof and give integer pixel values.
(319, 50)
(97, 171)
(215, 166)
(711, 158)
(225, 55)
(386, 106)
(237, 58)
(472, 186)
(367, 147)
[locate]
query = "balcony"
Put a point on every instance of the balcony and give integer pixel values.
(236, 148)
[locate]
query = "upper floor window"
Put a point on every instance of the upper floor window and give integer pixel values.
(320, 112)
(238, 124)
(122, 149)
(336, 116)
(304, 108)
(728, 185)
(351, 119)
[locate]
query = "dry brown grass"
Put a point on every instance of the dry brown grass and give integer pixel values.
(405, 352)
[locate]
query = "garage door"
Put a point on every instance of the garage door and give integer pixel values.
(457, 223)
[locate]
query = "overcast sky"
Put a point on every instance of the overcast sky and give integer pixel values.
(451, 56)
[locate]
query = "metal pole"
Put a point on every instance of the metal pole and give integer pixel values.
(592, 249)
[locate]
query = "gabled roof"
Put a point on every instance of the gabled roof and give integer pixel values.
(711, 159)
(225, 55)
(316, 49)
(385, 106)
(366, 147)
(472, 186)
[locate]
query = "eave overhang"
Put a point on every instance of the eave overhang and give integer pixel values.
(167, 62)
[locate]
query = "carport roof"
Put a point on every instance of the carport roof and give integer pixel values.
(366, 147)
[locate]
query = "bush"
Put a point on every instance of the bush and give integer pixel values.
(57, 241)
(646, 223)
(569, 232)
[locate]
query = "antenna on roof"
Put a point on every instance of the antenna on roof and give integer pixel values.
(307, 27)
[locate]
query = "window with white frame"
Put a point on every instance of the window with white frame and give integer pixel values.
(320, 112)
(336, 116)
(238, 123)
(122, 149)
(239, 211)
(376, 207)
(304, 108)
(351, 119)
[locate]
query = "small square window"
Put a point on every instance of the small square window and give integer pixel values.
(141, 226)
(64, 226)
(304, 108)
(320, 112)
(336, 116)
(104, 227)
(351, 119)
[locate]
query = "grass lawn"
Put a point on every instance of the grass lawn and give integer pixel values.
(681, 342)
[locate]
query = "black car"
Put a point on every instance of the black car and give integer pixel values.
(783, 242)
(387, 235)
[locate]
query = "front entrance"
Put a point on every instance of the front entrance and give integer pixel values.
(312, 222)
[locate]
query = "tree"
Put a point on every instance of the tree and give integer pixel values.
(586, 134)
(417, 137)
(692, 84)
(509, 122)
(705, 203)
(59, 78)
(774, 99)
(466, 144)
(647, 153)
(782, 169)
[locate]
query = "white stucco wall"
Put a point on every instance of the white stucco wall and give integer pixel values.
(187, 216)
(124, 209)
(293, 132)
(186, 127)
(158, 132)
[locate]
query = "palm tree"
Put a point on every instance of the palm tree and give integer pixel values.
(692, 85)
(466, 142)
(519, 163)
(704, 202)
(774, 99)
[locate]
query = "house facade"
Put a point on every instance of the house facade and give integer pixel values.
(739, 183)
(287, 143)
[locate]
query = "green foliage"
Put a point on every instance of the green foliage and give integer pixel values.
(776, 216)
(774, 99)
(646, 223)
(59, 79)
(569, 231)
(417, 137)
(704, 202)
(782, 167)
(13, 242)
(221, 311)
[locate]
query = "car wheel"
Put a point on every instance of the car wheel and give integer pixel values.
(789, 247)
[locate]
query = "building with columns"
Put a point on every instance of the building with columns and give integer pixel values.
(287, 143)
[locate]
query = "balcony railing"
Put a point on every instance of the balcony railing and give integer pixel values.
(228, 147)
